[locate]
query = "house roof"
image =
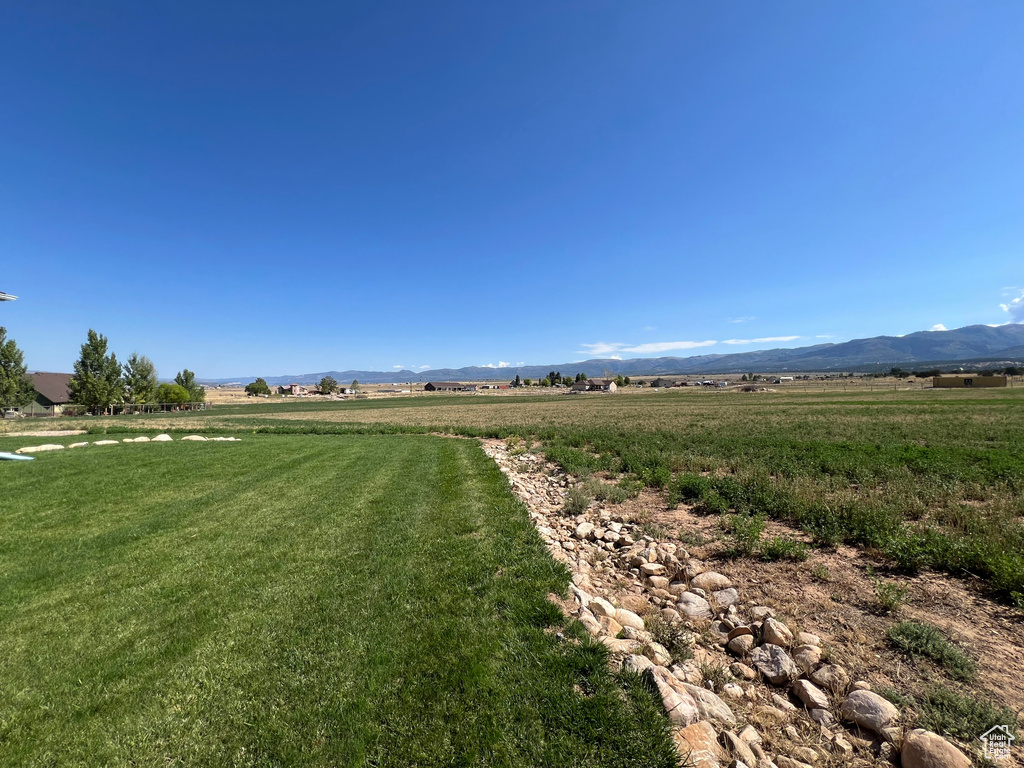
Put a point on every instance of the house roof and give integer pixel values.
(52, 386)
(446, 383)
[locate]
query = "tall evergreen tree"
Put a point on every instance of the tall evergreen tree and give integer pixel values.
(139, 379)
(97, 382)
(16, 390)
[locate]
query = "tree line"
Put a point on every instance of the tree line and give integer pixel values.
(99, 380)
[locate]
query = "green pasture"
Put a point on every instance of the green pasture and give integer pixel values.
(293, 600)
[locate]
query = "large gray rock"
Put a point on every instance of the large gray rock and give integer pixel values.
(680, 706)
(869, 710)
(710, 706)
(693, 606)
(726, 597)
(924, 749)
(774, 663)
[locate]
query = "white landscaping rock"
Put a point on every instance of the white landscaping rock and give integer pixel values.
(196, 438)
(163, 439)
(583, 530)
(601, 607)
(40, 448)
(924, 749)
(106, 442)
(869, 710)
(628, 619)
(78, 445)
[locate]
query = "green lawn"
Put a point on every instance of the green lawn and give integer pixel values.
(293, 600)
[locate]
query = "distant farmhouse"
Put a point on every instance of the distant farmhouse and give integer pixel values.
(595, 385)
(292, 389)
(960, 382)
(448, 386)
(663, 382)
(52, 393)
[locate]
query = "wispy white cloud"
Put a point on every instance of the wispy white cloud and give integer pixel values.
(501, 364)
(420, 367)
(1015, 309)
(765, 340)
(825, 336)
(650, 328)
(744, 319)
(608, 349)
(398, 367)
(938, 327)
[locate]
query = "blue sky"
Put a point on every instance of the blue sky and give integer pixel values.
(268, 188)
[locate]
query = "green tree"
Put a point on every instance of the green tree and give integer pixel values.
(528, 382)
(328, 385)
(139, 379)
(187, 380)
(16, 390)
(545, 382)
(619, 381)
(96, 383)
(258, 387)
(518, 381)
(172, 393)
(627, 381)
(355, 384)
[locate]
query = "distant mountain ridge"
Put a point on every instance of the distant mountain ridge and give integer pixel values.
(971, 344)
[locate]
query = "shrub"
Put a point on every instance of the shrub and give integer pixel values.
(576, 501)
(781, 548)
(961, 716)
(745, 534)
(889, 596)
(917, 639)
(678, 641)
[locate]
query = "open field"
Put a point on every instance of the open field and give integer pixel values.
(295, 600)
(929, 478)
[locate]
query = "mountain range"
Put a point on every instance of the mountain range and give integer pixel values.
(973, 344)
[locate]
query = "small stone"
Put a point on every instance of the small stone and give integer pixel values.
(741, 645)
(583, 530)
(860, 685)
(628, 619)
(658, 654)
(783, 761)
(869, 710)
(742, 670)
(657, 582)
(737, 747)
(601, 607)
(710, 581)
(841, 746)
(807, 657)
(761, 612)
(144, 439)
(774, 663)
(805, 754)
(637, 664)
(732, 691)
(776, 633)
(163, 438)
(671, 615)
(821, 717)
(831, 677)
(750, 735)
(811, 695)
(726, 597)
(652, 569)
(609, 626)
(806, 638)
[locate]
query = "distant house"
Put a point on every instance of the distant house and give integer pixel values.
(292, 389)
(660, 382)
(52, 393)
(595, 385)
(975, 382)
(448, 386)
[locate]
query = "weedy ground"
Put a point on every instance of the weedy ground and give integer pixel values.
(294, 600)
